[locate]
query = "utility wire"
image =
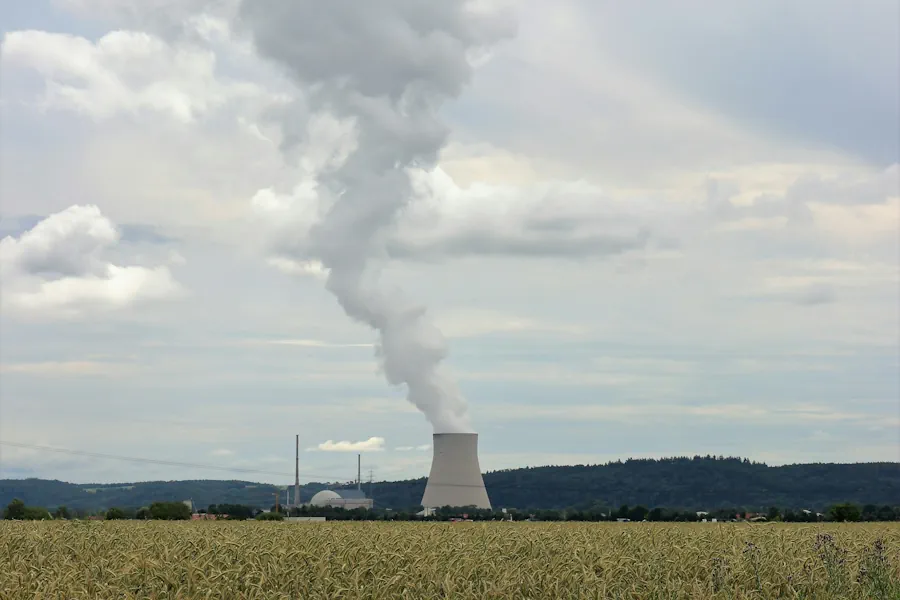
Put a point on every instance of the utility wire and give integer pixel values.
(173, 463)
(164, 462)
(325, 478)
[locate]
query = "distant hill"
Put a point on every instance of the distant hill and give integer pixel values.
(689, 483)
(51, 493)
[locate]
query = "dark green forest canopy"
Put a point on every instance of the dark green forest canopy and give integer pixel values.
(690, 483)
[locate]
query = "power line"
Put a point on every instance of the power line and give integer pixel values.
(171, 463)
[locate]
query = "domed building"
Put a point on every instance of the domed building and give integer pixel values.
(346, 499)
(324, 498)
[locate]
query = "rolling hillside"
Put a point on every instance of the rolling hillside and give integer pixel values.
(691, 483)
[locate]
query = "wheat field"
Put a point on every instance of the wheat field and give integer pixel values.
(222, 560)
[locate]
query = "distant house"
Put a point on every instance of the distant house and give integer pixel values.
(207, 517)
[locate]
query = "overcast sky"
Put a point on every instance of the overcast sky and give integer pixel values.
(648, 232)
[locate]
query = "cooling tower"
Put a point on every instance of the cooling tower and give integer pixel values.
(455, 478)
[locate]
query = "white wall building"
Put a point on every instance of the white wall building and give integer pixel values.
(346, 499)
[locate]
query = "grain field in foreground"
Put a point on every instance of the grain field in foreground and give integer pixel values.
(105, 560)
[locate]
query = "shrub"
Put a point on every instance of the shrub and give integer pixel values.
(270, 516)
(114, 514)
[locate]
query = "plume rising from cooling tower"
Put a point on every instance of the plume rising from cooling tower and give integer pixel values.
(455, 478)
(386, 68)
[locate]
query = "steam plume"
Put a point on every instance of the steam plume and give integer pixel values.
(387, 67)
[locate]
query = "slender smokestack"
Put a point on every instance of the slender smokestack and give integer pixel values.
(359, 472)
(297, 472)
(455, 478)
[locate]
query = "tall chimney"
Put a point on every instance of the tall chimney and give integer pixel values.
(297, 472)
(455, 478)
(359, 472)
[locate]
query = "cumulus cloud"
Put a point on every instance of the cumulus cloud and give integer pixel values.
(58, 267)
(853, 189)
(123, 72)
(66, 243)
(310, 268)
(547, 219)
(444, 220)
(475, 323)
(797, 204)
(373, 444)
(170, 19)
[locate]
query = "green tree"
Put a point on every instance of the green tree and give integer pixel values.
(655, 515)
(233, 511)
(886, 513)
(773, 514)
(637, 513)
(270, 516)
(143, 514)
(62, 512)
(15, 510)
(36, 513)
(844, 512)
(114, 514)
(170, 511)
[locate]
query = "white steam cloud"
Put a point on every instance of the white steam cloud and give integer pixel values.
(385, 68)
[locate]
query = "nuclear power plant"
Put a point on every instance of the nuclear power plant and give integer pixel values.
(455, 478)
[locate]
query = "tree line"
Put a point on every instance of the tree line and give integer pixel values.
(842, 512)
(695, 483)
(164, 511)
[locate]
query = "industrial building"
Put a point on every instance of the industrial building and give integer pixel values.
(455, 478)
(346, 499)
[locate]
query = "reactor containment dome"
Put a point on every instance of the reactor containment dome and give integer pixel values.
(346, 499)
(324, 498)
(455, 478)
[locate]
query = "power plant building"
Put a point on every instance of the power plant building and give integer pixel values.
(346, 499)
(455, 478)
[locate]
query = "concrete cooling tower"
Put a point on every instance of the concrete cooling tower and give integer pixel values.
(455, 478)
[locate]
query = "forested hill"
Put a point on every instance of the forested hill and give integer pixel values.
(690, 483)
